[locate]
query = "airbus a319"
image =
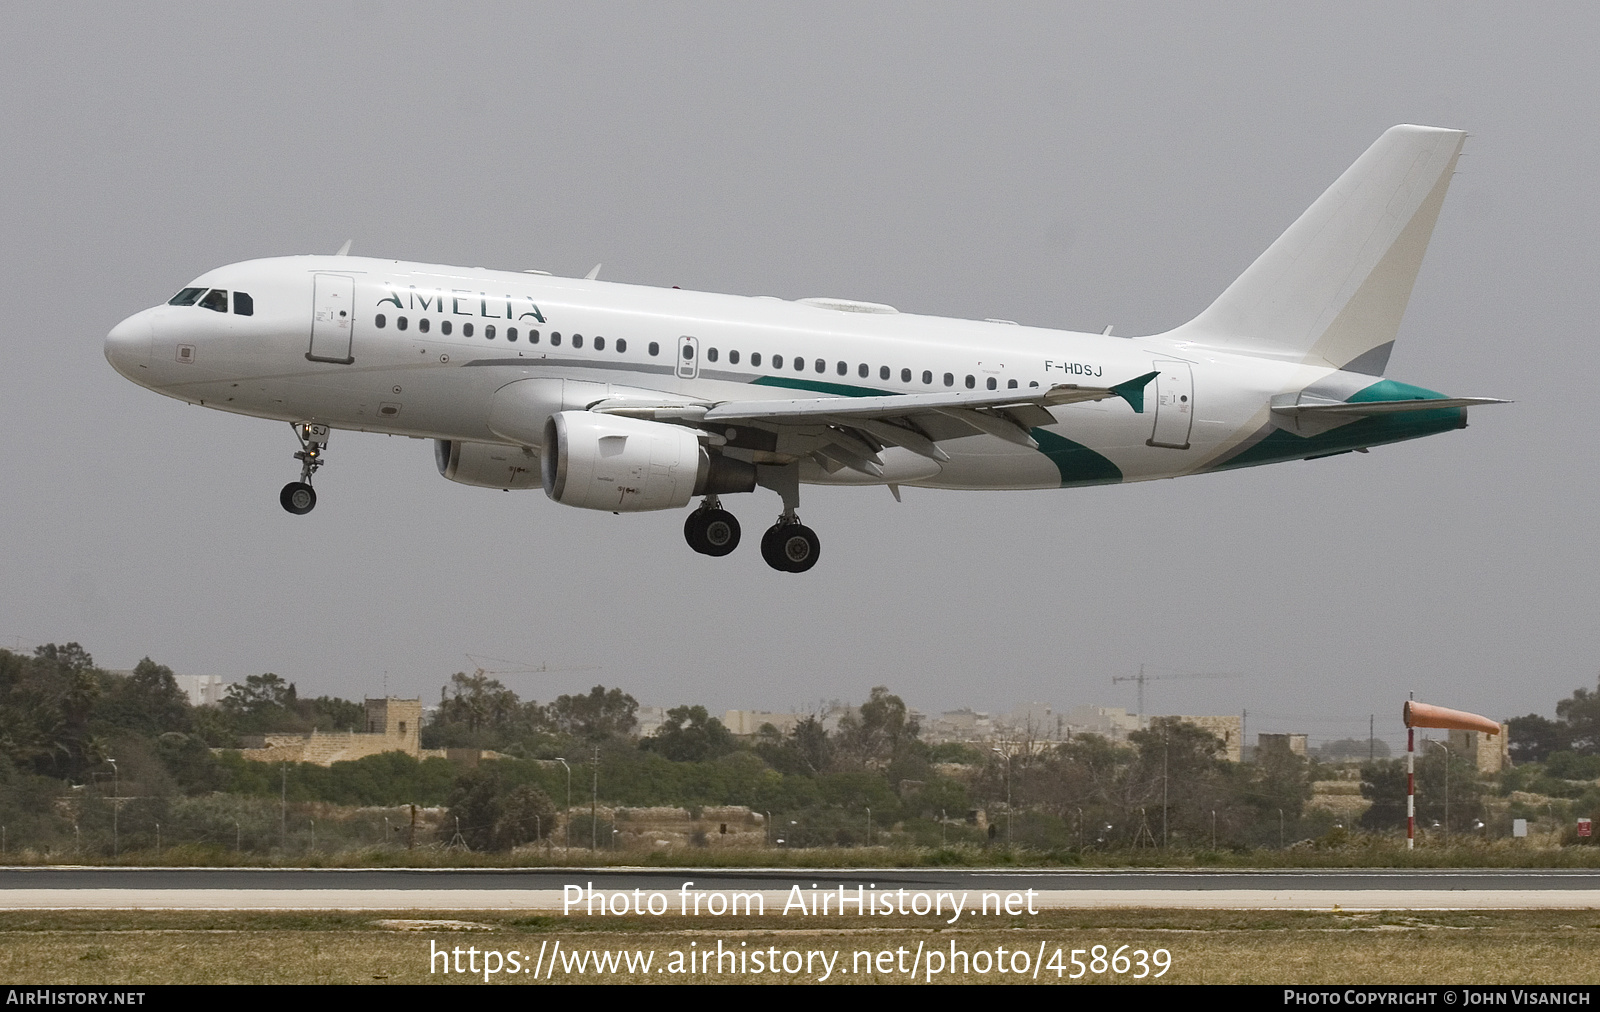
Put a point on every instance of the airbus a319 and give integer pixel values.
(628, 398)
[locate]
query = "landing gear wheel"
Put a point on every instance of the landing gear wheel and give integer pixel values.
(298, 498)
(713, 532)
(790, 548)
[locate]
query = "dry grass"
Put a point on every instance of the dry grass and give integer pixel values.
(1495, 947)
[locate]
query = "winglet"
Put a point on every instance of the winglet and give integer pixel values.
(344, 250)
(593, 273)
(1133, 391)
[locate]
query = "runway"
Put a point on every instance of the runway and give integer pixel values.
(1006, 890)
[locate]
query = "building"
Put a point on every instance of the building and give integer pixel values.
(747, 723)
(1490, 753)
(1295, 743)
(1111, 722)
(393, 725)
(1229, 730)
(202, 690)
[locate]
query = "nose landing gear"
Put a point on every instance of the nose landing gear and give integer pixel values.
(298, 497)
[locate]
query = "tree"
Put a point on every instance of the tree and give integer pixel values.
(600, 714)
(690, 734)
(263, 703)
(805, 750)
(875, 733)
(496, 814)
(147, 701)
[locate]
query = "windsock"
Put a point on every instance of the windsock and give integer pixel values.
(1423, 715)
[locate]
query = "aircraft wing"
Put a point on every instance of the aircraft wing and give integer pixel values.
(849, 431)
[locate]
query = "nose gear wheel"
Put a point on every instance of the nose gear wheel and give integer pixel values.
(298, 497)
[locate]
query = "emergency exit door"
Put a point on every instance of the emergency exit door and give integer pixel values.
(1174, 405)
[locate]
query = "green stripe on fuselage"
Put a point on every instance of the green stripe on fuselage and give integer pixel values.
(1373, 430)
(1078, 464)
(818, 386)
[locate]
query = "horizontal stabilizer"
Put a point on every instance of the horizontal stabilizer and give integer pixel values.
(1333, 408)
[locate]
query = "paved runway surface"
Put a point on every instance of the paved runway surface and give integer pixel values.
(545, 888)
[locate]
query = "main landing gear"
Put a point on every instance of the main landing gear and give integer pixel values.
(711, 530)
(298, 497)
(789, 546)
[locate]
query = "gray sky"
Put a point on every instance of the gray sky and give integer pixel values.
(1060, 166)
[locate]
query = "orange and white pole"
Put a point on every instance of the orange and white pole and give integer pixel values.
(1424, 715)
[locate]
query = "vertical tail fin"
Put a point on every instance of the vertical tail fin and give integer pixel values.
(1333, 288)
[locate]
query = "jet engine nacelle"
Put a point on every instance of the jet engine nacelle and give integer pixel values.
(629, 465)
(487, 465)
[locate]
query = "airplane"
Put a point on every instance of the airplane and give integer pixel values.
(629, 398)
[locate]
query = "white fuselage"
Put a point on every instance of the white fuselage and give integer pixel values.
(424, 349)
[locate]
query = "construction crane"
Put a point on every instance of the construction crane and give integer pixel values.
(517, 668)
(1141, 678)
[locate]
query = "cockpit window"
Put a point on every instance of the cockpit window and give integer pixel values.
(216, 299)
(243, 304)
(186, 297)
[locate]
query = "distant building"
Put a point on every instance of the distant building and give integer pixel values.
(963, 725)
(1294, 743)
(203, 690)
(1107, 721)
(393, 725)
(1490, 753)
(747, 723)
(1228, 730)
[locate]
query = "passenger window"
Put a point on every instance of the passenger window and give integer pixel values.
(927, 377)
(1011, 384)
(216, 300)
(655, 349)
(991, 383)
(466, 330)
(843, 368)
(577, 340)
(599, 344)
(187, 297)
(822, 366)
(711, 354)
(777, 362)
(533, 337)
(422, 324)
(444, 327)
(622, 345)
(883, 372)
(949, 379)
(800, 363)
(555, 338)
(971, 382)
(511, 333)
(905, 375)
(1033, 383)
(488, 332)
(733, 358)
(400, 322)
(243, 304)
(379, 321)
